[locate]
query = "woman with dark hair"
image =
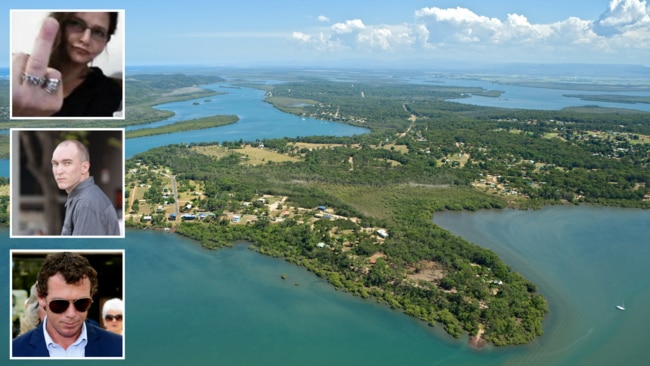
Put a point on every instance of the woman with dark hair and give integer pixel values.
(57, 79)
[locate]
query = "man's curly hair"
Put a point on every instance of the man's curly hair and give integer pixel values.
(72, 266)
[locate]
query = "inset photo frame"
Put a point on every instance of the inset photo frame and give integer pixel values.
(67, 182)
(62, 295)
(67, 64)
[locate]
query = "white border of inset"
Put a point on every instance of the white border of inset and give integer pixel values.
(118, 47)
(122, 252)
(14, 189)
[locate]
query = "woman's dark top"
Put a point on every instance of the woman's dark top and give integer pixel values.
(97, 96)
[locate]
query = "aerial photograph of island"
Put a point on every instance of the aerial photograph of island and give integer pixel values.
(422, 182)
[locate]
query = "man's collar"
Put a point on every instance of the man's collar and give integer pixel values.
(81, 186)
(49, 341)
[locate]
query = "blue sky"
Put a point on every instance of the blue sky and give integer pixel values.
(381, 32)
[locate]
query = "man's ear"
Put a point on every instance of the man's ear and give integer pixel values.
(42, 303)
(85, 166)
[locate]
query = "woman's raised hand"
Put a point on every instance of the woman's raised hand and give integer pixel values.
(36, 88)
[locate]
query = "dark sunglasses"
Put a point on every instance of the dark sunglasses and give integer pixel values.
(59, 306)
(110, 317)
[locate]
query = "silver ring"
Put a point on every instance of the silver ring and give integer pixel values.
(32, 80)
(51, 85)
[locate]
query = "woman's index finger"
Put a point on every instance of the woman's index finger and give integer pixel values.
(40, 57)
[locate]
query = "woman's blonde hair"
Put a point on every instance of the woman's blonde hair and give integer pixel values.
(30, 319)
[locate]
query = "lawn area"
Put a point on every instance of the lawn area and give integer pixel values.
(461, 158)
(401, 148)
(643, 139)
(256, 156)
(187, 196)
(310, 146)
(259, 156)
(552, 135)
(370, 201)
(139, 192)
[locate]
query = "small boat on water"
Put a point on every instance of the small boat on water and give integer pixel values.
(621, 307)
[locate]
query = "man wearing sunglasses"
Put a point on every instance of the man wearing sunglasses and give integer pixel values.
(66, 284)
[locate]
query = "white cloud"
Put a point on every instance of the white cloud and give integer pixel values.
(570, 31)
(377, 38)
(463, 25)
(301, 37)
(392, 37)
(321, 42)
(623, 29)
(623, 16)
(348, 27)
(323, 19)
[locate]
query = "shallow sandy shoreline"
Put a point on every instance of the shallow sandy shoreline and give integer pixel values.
(477, 341)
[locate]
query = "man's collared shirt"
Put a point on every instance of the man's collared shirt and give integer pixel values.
(76, 349)
(89, 212)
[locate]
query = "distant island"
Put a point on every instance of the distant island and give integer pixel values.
(613, 98)
(189, 125)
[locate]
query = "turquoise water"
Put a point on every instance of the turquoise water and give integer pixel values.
(257, 120)
(187, 305)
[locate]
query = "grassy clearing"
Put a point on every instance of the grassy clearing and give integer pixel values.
(290, 103)
(552, 135)
(643, 139)
(259, 156)
(382, 202)
(138, 193)
(401, 148)
(459, 157)
(185, 195)
(370, 201)
(310, 146)
(256, 156)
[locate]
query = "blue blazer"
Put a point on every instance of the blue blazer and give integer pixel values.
(101, 343)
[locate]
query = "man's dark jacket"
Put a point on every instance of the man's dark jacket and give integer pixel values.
(101, 343)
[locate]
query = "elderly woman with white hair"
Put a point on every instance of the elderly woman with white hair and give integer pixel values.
(113, 315)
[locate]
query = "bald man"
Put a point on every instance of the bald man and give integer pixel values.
(87, 211)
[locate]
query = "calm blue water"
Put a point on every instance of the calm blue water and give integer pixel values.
(257, 120)
(187, 305)
(534, 98)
